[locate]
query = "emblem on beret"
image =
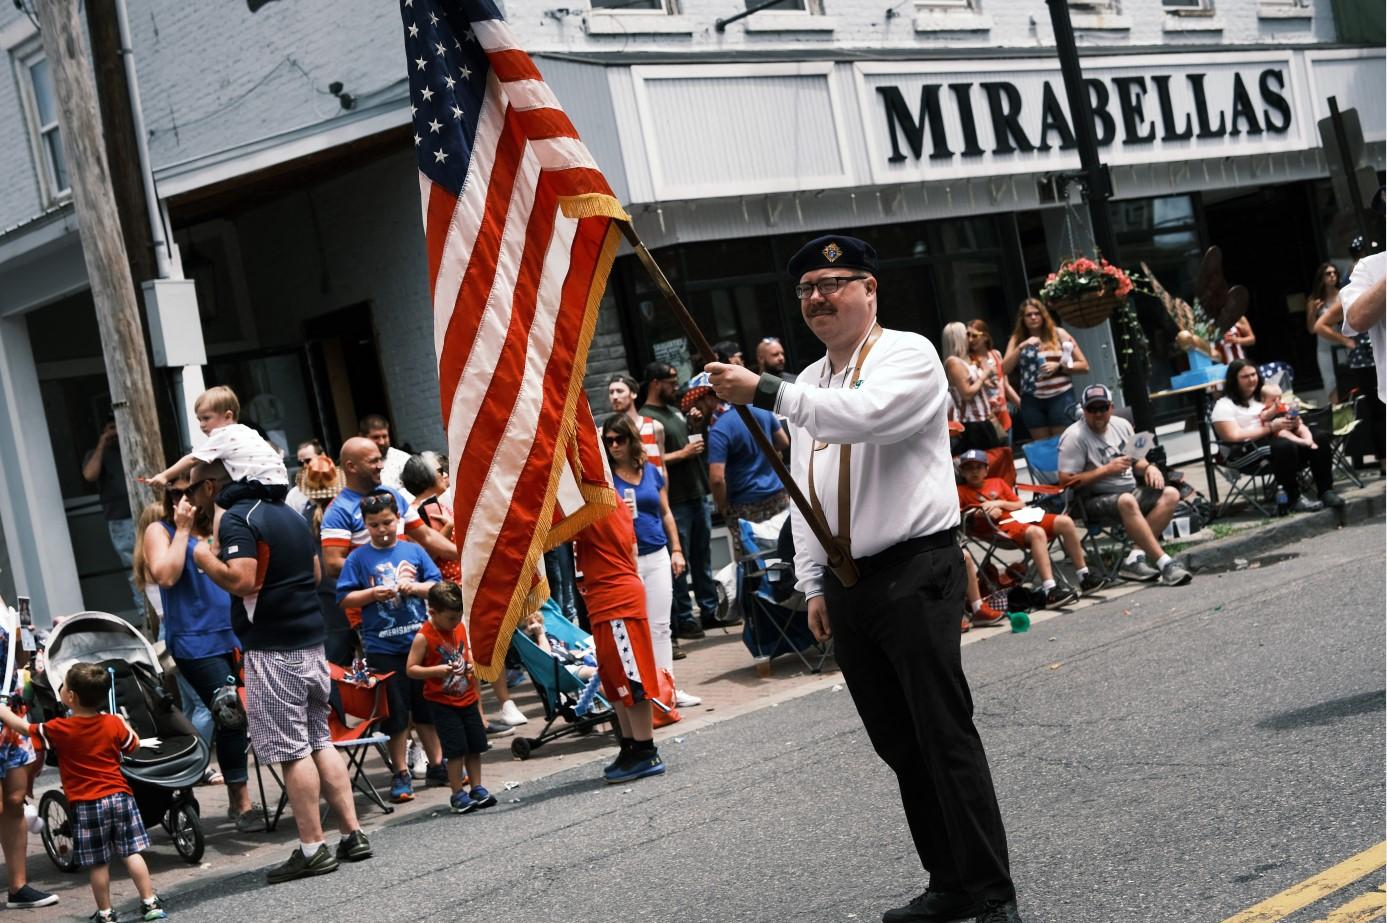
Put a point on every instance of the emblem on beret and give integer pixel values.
(832, 252)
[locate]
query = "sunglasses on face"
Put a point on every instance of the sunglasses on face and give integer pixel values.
(614, 440)
(1098, 408)
(175, 495)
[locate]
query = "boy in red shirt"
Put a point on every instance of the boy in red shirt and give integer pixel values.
(615, 600)
(998, 501)
(104, 814)
(440, 657)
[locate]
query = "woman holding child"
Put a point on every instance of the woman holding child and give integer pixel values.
(197, 630)
(1252, 428)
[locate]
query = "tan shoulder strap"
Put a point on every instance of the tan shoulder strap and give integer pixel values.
(844, 535)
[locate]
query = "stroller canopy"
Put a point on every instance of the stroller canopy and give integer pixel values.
(91, 637)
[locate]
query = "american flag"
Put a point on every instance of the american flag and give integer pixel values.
(520, 228)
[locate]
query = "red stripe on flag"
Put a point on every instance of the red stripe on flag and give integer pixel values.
(481, 267)
(442, 203)
(508, 372)
(547, 123)
(513, 65)
(498, 588)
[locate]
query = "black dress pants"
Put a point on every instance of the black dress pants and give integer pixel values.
(1288, 458)
(896, 638)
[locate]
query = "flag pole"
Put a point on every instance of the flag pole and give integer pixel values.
(841, 565)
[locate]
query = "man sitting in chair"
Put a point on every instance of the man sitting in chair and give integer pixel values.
(1093, 460)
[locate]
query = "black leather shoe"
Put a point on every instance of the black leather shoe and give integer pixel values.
(933, 907)
(998, 912)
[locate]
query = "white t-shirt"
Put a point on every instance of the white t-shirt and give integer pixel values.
(1363, 277)
(1227, 410)
(244, 455)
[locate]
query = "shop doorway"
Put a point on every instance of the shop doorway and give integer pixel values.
(1268, 240)
(344, 371)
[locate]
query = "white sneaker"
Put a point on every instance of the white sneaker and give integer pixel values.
(511, 714)
(418, 763)
(683, 700)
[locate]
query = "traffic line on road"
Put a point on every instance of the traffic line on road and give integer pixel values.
(1362, 909)
(1315, 888)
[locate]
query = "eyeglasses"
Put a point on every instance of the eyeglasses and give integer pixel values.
(193, 487)
(377, 503)
(1098, 407)
(826, 286)
(614, 439)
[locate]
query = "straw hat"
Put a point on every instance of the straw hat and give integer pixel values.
(320, 479)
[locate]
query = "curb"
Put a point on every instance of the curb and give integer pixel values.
(1285, 531)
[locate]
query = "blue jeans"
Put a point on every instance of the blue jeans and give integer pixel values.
(694, 519)
(205, 674)
(122, 532)
(559, 571)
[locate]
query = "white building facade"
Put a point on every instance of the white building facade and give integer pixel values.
(935, 128)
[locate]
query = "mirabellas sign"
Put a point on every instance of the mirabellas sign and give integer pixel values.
(964, 120)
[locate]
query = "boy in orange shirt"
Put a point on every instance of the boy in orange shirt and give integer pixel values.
(997, 500)
(440, 657)
(104, 814)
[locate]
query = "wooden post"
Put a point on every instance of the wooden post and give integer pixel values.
(103, 247)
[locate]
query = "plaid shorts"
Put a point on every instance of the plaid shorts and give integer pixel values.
(287, 703)
(113, 821)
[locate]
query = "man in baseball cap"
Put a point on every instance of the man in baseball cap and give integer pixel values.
(1093, 460)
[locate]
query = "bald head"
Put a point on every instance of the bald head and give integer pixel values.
(361, 463)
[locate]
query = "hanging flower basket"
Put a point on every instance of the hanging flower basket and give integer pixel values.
(1087, 310)
(1085, 293)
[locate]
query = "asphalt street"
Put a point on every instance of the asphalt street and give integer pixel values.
(1173, 755)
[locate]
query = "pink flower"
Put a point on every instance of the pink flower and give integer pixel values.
(1050, 278)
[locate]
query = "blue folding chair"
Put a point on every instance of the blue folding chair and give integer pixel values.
(772, 626)
(1099, 539)
(560, 691)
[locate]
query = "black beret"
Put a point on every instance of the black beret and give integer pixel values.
(832, 252)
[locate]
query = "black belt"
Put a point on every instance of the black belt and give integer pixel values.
(904, 551)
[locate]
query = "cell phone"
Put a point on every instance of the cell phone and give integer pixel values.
(26, 625)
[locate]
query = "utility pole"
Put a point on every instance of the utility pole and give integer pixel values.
(103, 247)
(1096, 183)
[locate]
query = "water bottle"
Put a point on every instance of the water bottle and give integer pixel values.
(630, 497)
(1283, 503)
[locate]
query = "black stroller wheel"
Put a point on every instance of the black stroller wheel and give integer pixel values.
(186, 828)
(520, 748)
(57, 831)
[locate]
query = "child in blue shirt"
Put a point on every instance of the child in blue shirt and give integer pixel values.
(388, 581)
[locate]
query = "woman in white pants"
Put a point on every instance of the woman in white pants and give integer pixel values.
(659, 557)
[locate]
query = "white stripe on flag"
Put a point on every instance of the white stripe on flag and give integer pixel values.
(475, 387)
(531, 94)
(494, 35)
(513, 449)
(563, 154)
(467, 216)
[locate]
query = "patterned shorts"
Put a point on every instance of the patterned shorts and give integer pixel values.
(287, 703)
(15, 753)
(104, 824)
(626, 660)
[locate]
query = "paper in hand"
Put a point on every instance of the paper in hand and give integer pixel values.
(1140, 445)
(1028, 514)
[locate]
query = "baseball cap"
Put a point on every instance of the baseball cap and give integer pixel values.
(1095, 394)
(973, 455)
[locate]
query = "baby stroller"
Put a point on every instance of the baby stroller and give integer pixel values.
(161, 777)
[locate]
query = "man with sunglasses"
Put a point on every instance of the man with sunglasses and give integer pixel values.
(1093, 460)
(871, 447)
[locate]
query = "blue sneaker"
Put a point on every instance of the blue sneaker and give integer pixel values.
(482, 798)
(401, 787)
(636, 768)
(462, 803)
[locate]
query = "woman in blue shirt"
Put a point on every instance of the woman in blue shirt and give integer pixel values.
(659, 558)
(197, 630)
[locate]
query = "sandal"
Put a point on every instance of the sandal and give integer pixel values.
(212, 777)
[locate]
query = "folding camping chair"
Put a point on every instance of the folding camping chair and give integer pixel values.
(1344, 420)
(560, 691)
(1105, 544)
(1249, 477)
(370, 707)
(774, 624)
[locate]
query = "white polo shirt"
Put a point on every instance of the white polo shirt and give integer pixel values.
(894, 414)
